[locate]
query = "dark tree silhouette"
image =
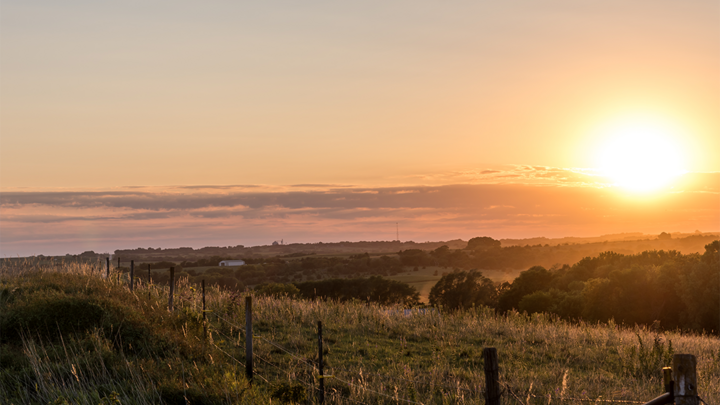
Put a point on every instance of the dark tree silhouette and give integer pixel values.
(463, 289)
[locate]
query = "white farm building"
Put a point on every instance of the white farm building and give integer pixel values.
(231, 263)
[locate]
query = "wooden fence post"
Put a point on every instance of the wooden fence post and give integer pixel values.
(107, 267)
(172, 289)
(492, 376)
(149, 280)
(321, 391)
(667, 379)
(685, 379)
(132, 274)
(203, 310)
(248, 339)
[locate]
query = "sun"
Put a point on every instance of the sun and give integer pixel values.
(640, 156)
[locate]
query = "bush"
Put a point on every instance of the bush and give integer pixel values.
(277, 290)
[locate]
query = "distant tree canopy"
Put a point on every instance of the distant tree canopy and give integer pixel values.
(463, 289)
(680, 291)
(534, 279)
(482, 242)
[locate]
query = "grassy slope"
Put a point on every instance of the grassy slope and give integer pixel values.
(134, 348)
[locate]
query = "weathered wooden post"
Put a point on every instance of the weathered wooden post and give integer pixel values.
(321, 391)
(172, 289)
(248, 339)
(149, 280)
(685, 379)
(107, 267)
(667, 379)
(132, 274)
(667, 397)
(203, 310)
(492, 376)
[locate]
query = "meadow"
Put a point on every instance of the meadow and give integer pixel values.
(71, 336)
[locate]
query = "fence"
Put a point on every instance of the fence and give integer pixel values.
(680, 380)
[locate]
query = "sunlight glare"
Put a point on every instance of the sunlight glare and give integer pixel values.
(640, 156)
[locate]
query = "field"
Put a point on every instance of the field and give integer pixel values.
(69, 336)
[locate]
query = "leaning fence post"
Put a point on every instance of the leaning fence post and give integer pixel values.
(203, 310)
(685, 379)
(172, 288)
(321, 391)
(492, 376)
(248, 338)
(132, 273)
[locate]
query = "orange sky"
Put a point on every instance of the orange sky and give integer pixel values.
(103, 97)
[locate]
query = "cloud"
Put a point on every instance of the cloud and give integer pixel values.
(543, 202)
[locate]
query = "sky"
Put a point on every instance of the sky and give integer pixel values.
(165, 124)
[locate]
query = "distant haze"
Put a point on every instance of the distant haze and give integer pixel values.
(184, 123)
(58, 222)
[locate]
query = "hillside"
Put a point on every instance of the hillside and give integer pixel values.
(571, 249)
(70, 336)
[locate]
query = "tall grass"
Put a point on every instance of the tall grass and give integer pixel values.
(136, 352)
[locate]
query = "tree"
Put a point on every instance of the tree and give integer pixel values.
(482, 243)
(462, 289)
(536, 278)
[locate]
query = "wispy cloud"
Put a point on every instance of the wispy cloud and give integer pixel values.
(522, 202)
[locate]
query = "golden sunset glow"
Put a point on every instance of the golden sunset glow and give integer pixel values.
(641, 156)
(226, 123)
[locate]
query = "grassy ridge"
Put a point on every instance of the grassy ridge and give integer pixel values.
(69, 336)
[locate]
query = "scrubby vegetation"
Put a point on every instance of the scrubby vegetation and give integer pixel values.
(70, 337)
(676, 290)
(67, 335)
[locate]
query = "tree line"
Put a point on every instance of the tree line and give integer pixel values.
(279, 270)
(676, 290)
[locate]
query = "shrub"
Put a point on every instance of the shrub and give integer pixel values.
(277, 290)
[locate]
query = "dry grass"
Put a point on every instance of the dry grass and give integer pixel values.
(375, 354)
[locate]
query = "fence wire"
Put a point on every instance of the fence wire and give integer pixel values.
(566, 398)
(510, 390)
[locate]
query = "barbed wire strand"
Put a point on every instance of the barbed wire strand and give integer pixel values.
(514, 396)
(378, 393)
(297, 357)
(348, 398)
(240, 362)
(294, 355)
(408, 380)
(612, 401)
